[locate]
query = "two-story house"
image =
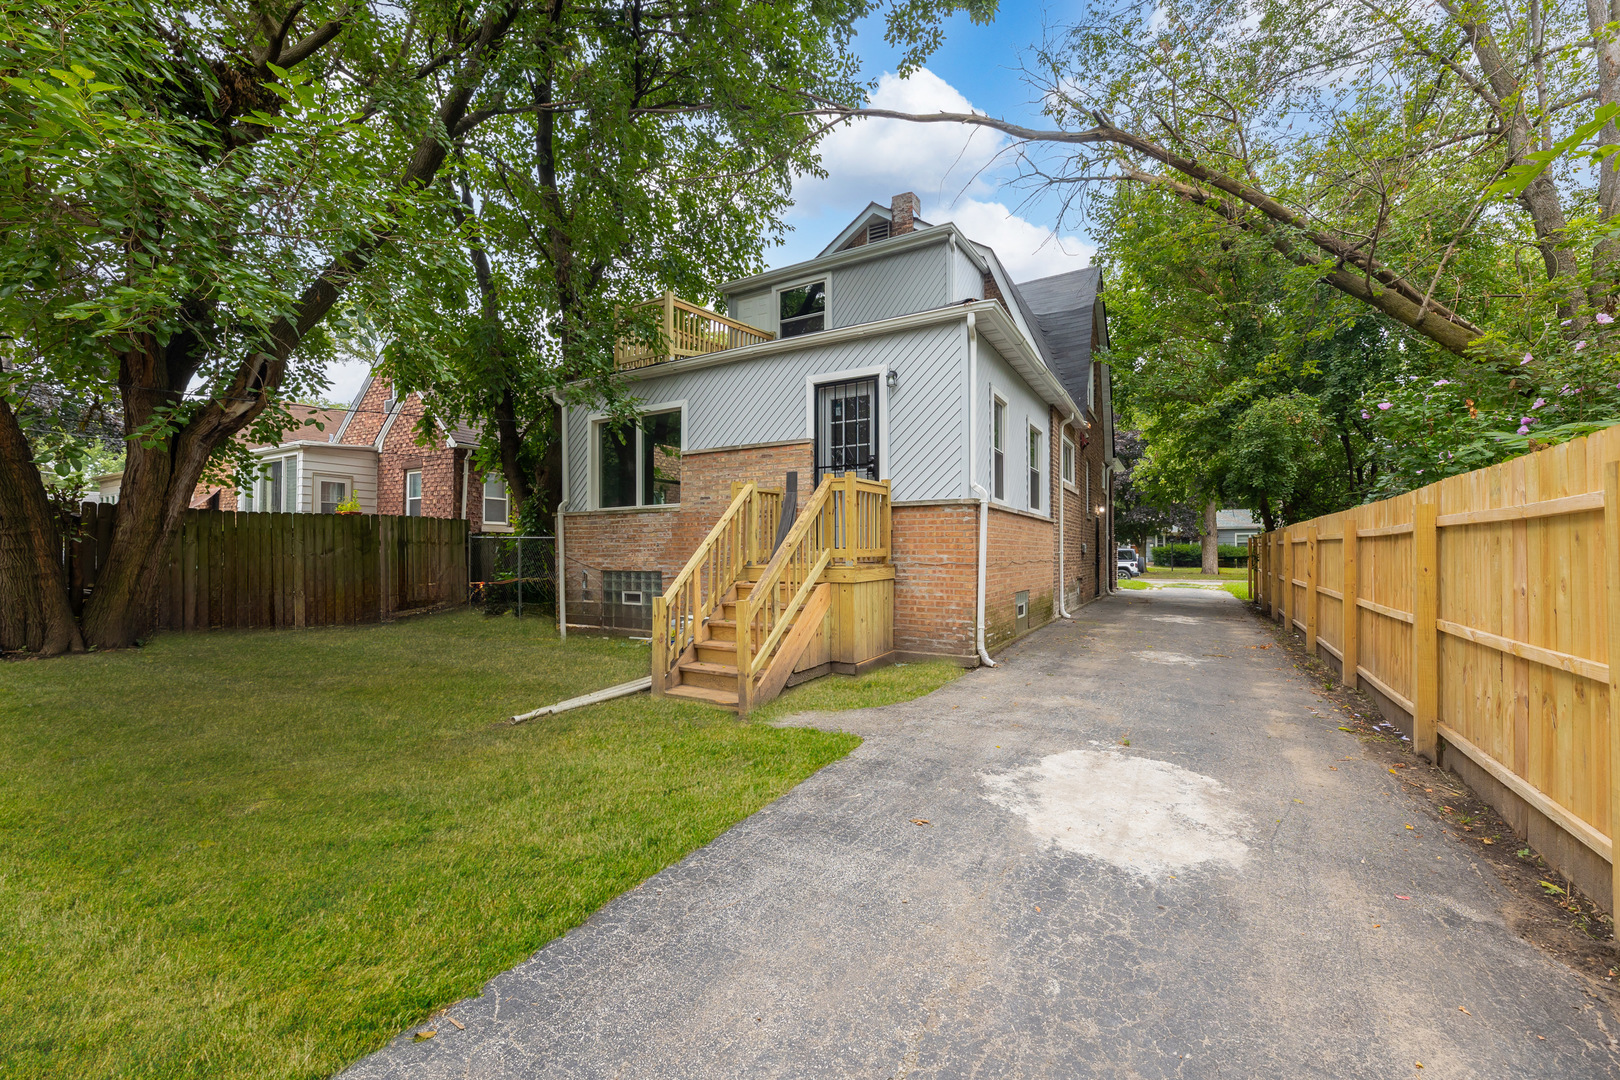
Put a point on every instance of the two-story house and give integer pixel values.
(906, 355)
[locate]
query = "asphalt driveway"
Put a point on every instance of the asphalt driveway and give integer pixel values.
(996, 885)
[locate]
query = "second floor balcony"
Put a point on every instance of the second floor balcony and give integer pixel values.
(688, 330)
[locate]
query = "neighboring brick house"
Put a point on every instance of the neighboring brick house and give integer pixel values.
(902, 352)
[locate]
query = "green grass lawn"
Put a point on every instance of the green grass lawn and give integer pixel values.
(263, 854)
(1193, 573)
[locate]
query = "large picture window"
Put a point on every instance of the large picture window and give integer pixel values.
(802, 309)
(640, 464)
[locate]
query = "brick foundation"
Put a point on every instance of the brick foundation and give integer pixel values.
(935, 552)
(663, 538)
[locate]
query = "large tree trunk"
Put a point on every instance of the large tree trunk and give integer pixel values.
(1212, 563)
(35, 613)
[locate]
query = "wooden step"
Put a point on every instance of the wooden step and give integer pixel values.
(715, 651)
(725, 699)
(722, 629)
(713, 676)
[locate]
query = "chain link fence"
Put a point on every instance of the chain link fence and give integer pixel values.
(512, 573)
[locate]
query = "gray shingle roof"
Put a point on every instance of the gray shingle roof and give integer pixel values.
(1061, 308)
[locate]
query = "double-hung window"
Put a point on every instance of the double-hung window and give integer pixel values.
(640, 464)
(334, 493)
(413, 493)
(998, 449)
(802, 309)
(495, 501)
(1068, 460)
(1035, 470)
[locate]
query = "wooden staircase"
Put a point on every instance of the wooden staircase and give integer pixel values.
(733, 627)
(711, 674)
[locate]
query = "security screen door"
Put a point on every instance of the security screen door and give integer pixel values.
(847, 429)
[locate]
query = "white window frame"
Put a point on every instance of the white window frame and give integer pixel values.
(997, 401)
(1070, 462)
(594, 475)
(261, 485)
(406, 505)
(506, 497)
(1035, 475)
(821, 378)
(826, 302)
(315, 479)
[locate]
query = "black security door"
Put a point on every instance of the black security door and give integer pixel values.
(847, 429)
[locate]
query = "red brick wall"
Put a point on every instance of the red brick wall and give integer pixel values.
(935, 551)
(1021, 557)
(441, 466)
(663, 539)
(1080, 532)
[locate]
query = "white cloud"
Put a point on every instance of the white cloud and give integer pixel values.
(1026, 249)
(956, 171)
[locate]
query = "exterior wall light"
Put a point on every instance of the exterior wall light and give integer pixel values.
(893, 379)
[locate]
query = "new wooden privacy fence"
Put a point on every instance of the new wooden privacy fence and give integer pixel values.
(1486, 607)
(238, 570)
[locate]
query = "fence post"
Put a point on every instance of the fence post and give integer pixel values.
(1352, 591)
(1310, 591)
(1425, 610)
(1611, 560)
(1288, 581)
(660, 645)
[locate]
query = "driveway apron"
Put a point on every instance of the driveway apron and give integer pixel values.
(1138, 847)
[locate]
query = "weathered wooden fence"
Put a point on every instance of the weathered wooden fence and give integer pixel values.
(263, 570)
(1482, 613)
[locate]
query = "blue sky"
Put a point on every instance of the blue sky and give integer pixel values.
(871, 161)
(954, 171)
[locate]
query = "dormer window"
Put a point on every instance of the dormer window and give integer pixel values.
(802, 309)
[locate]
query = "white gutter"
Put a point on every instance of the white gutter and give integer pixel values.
(1063, 576)
(933, 234)
(562, 503)
(978, 489)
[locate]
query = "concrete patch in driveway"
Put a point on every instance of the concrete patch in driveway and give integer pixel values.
(1159, 656)
(1152, 818)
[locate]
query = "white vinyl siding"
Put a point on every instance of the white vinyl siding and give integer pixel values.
(886, 287)
(763, 401)
(1025, 410)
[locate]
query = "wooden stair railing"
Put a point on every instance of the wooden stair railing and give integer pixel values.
(729, 631)
(702, 584)
(776, 600)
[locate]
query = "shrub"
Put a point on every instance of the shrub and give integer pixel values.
(1193, 554)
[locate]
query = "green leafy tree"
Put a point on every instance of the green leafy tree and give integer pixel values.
(199, 198)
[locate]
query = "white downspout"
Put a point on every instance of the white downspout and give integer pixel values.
(978, 488)
(562, 566)
(466, 466)
(1063, 576)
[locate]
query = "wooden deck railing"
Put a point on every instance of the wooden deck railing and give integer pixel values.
(688, 330)
(861, 519)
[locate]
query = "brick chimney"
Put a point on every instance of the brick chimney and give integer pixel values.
(902, 210)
